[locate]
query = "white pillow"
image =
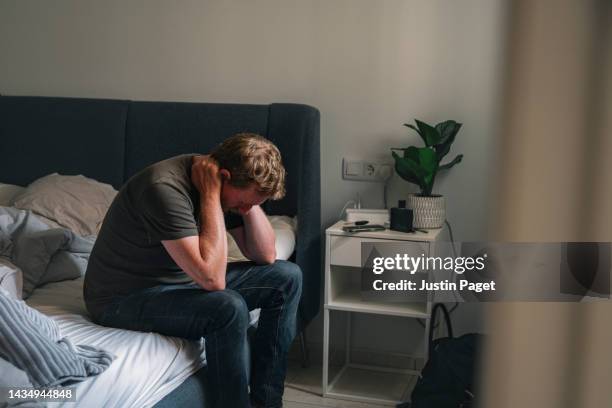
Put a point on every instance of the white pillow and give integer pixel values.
(74, 202)
(11, 278)
(8, 192)
(284, 229)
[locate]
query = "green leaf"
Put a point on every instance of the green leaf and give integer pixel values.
(412, 153)
(416, 129)
(429, 134)
(413, 127)
(443, 148)
(409, 170)
(450, 164)
(427, 159)
(429, 162)
(447, 129)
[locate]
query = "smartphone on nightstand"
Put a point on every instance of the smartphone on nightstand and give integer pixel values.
(363, 228)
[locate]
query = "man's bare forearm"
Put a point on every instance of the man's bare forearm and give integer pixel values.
(259, 236)
(213, 240)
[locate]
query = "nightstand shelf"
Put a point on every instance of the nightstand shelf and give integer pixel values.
(375, 384)
(352, 302)
(343, 294)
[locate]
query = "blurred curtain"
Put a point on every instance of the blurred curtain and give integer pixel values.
(555, 184)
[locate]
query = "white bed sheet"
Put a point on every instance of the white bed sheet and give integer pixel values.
(147, 366)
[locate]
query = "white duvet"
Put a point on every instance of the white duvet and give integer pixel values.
(147, 367)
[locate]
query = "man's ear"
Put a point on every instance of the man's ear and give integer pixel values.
(225, 174)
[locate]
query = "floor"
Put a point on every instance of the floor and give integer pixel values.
(303, 390)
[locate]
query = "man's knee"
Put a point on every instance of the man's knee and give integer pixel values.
(290, 275)
(232, 310)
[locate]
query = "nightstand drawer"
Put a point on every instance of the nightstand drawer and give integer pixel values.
(346, 251)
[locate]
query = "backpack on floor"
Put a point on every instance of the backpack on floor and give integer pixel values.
(447, 380)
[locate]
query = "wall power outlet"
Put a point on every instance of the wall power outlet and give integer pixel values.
(366, 170)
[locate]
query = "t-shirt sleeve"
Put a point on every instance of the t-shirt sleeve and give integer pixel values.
(233, 221)
(167, 214)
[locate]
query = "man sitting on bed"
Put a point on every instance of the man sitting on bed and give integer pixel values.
(160, 264)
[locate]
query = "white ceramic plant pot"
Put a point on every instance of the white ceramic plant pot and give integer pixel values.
(428, 212)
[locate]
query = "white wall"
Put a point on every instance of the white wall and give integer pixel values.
(368, 65)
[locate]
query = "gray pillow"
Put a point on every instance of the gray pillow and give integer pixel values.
(74, 202)
(8, 192)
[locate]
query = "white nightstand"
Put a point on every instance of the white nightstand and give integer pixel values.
(343, 293)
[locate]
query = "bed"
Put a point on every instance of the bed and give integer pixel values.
(110, 140)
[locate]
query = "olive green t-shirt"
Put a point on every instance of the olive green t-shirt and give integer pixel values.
(159, 203)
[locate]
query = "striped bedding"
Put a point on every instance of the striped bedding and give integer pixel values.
(32, 342)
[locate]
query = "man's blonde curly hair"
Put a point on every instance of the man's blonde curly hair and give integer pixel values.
(250, 158)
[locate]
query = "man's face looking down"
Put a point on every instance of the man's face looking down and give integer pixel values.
(239, 200)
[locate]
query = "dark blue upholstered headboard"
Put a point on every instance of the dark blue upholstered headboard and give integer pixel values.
(110, 140)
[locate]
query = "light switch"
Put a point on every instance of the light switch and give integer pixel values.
(353, 168)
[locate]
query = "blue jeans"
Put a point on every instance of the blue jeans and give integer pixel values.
(222, 318)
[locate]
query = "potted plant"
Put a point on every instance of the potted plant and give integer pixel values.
(420, 166)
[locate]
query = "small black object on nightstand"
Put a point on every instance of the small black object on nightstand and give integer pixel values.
(401, 218)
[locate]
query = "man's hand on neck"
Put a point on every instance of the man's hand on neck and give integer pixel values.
(205, 175)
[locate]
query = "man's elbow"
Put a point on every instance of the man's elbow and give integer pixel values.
(269, 257)
(211, 281)
(213, 285)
